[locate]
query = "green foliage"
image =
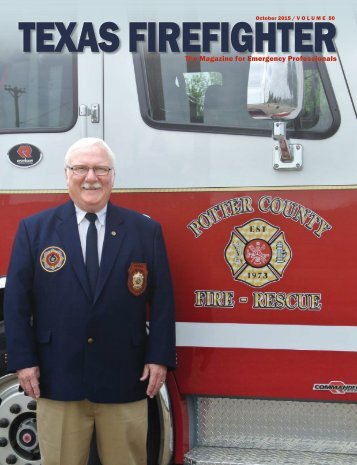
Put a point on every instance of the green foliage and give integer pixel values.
(196, 86)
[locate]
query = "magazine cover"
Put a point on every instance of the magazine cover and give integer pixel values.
(233, 126)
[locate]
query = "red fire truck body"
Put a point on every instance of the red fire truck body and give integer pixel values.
(263, 256)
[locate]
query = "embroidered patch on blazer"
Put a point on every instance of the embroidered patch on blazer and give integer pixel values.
(52, 259)
(137, 278)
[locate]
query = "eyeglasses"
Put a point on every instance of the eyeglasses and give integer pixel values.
(84, 170)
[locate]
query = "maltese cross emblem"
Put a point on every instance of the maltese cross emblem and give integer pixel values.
(257, 253)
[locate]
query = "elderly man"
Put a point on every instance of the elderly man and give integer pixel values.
(80, 279)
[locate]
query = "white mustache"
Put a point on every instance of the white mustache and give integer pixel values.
(88, 185)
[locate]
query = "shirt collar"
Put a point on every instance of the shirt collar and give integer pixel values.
(81, 214)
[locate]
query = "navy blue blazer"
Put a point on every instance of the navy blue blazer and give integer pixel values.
(89, 348)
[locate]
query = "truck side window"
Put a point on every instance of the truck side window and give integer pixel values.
(37, 92)
(181, 92)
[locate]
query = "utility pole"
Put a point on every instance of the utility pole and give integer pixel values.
(16, 92)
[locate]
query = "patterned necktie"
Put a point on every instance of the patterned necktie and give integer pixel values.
(92, 261)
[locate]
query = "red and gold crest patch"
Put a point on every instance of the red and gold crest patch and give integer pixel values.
(52, 259)
(137, 278)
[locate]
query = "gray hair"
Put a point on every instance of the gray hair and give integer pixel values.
(89, 142)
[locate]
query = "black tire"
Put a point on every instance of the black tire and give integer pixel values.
(153, 439)
(2, 350)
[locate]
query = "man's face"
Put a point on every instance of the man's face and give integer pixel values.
(90, 192)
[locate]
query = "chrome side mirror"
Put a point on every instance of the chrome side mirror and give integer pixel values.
(275, 91)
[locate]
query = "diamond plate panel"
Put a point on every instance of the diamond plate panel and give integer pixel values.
(231, 456)
(263, 424)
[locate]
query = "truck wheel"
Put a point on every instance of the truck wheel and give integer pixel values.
(18, 432)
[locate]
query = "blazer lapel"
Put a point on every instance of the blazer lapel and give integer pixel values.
(113, 240)
(68, 232)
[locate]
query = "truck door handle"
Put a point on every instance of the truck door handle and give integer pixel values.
(94, 112)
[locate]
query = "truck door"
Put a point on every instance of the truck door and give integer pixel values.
(47, 102)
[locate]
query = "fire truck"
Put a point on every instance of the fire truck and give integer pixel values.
(249, 164)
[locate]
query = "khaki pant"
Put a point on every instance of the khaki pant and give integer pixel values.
(65, 430)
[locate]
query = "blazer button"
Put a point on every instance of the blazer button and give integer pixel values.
(90, 340)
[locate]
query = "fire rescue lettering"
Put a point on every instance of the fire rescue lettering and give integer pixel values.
(260, 300)
(290, 301)
(266, 204)
(215, 299)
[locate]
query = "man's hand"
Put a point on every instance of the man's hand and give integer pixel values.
(29, 381)
(156, 375)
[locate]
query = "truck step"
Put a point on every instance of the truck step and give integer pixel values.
(235, 456)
